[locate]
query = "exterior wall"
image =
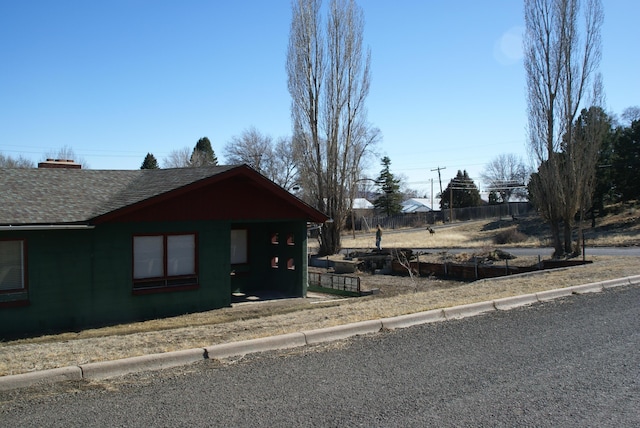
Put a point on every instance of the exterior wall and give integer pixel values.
(82, 278)
(259, 273)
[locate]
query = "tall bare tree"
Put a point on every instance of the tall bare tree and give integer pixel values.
(328, 78)
(561, 58)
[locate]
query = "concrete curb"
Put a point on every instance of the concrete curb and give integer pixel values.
(342, 331)
(24, 380)
(409, 320)
(595, 287)
(544, 296)
(612, 283)
(283, 341)
(108, 369)
(472, 309)
(515, 301)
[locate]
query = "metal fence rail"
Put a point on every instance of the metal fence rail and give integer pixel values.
(349, 284)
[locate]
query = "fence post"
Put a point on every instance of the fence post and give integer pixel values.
(444, 264)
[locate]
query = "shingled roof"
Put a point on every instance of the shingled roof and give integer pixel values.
(75, 196)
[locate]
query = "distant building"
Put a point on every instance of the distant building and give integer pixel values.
(362, 204)
(416, 205)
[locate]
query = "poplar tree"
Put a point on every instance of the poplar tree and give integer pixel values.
(328, 79)
(562, 53)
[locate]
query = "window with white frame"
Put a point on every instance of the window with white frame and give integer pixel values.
(12, 275)
(164, 260)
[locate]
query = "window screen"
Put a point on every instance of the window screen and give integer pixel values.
(181, 251)
(148, 256)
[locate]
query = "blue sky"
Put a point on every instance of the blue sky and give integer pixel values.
(116, 79)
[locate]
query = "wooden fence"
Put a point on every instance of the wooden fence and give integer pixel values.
(369, 221)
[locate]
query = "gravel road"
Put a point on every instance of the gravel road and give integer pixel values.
(571, 362)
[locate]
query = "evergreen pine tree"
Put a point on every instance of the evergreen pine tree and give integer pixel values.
(150, 162)
(203, 154)
(389, 201)
(464, 191)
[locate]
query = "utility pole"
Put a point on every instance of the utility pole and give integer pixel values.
(450, 204)
(432, 193)
(439, 177)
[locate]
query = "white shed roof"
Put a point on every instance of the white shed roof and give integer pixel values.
(362, 204)
(416, 205)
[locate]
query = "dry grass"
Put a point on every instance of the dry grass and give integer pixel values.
(615, 230)
(459, 235)
(399, 295)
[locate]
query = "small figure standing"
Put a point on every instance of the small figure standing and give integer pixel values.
(378, 237)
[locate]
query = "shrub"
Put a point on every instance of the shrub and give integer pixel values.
(510, 236)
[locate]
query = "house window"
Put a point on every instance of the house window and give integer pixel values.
(12, 262)
(291, 265)
(290, 240)
(239, 254)
(161, 261)
(275, 238)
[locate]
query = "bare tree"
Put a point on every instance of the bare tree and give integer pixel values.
(328, 78)
(274, 160)
(401, 257)
(284, 168)
(251, 148)
(180, 158)
(561, 58)
(19, 162)
(506, 174)
(631, 114)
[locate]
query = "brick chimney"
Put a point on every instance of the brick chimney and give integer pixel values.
(59, 163)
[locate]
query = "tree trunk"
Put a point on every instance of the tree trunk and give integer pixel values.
(555, 235)
(329, 239)
(568, 238)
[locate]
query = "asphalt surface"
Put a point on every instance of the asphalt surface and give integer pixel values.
(568, 362)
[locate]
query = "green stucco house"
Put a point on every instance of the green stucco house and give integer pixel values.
(82, 248)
